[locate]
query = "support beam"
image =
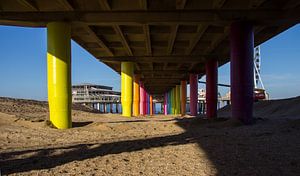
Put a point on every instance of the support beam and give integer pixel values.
(136, 95)
(146, 18)
(147, 39)
(183, 98)
(172, 39)
(30, 5)
(99, 41)
(193, 94)
(241, 73)
(59, 74)
(123, 39)
(126, 88)
(211, 88)
(159, 59)
(200, 31)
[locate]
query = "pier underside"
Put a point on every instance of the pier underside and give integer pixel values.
(160, 42)
(165, 39)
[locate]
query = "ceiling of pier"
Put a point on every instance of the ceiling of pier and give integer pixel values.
(166, 39)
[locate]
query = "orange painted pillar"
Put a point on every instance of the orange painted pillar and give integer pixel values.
(183, 98)
(136, 95)
(151, 105)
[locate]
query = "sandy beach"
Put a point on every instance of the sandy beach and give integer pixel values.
(108, 144)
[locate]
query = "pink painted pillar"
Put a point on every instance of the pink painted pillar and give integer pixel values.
(193, 94)
(142, 98)
(211, 88)
(241, 71)
(165, 104)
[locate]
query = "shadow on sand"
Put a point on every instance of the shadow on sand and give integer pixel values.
(240, 150)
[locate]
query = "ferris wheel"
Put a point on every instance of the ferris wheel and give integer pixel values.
(259, 88)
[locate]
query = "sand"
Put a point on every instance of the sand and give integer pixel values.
(108, 144)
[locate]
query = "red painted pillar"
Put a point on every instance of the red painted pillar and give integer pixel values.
(241, 72)
(211, 88)
(193, 94)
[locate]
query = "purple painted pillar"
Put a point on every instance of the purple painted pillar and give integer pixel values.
(193, 94)
(142, 98)
(165, 104)
(147, 103)
(241, 72)
(211, 88)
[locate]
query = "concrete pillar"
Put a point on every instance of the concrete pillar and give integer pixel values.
(126, 88)
(136, 95)
(117, 109)
(183, 98)
(110, 107)
(104, 108)
(211, 88)
(193, 94)
(142, 98)
(241, 71)
(59, 73)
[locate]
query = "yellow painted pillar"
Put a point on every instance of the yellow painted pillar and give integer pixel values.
(178, 104)
(173, 101)
(136, 95)
(126, 88)
(59, 73)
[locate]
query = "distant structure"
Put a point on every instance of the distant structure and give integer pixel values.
(96, 96)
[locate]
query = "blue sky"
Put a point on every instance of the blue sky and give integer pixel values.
(23, 65)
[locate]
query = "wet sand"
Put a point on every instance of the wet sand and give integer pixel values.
(108, 144)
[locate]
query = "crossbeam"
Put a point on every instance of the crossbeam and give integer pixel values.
(205, 16)
(161, 59)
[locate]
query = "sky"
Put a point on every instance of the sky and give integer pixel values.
(23, 65)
